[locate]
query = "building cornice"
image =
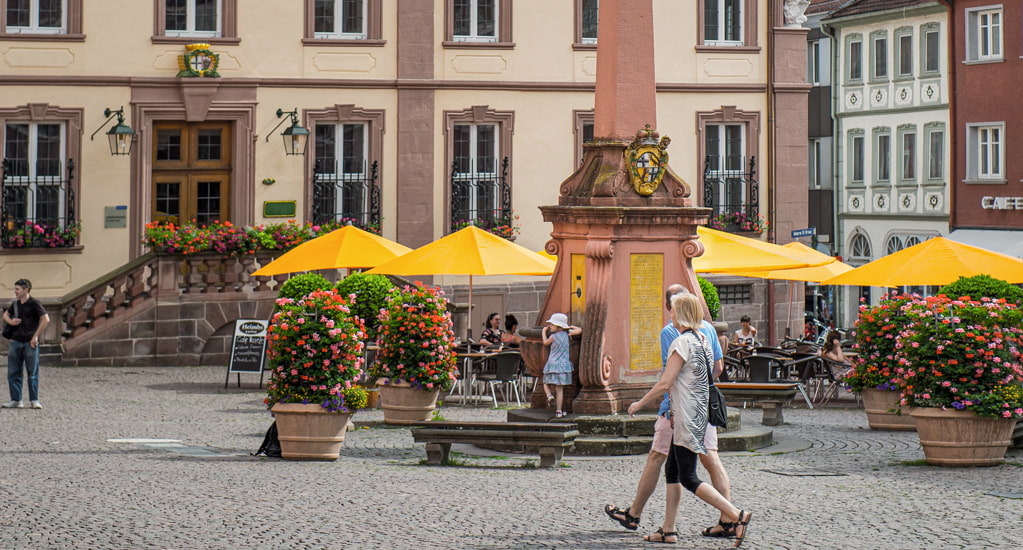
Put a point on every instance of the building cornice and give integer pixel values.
(410, 84)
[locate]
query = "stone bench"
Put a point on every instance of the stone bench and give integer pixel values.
(770, 395)
(551, 439)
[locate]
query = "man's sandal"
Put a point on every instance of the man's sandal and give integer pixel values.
(622, 516)
(744, 518)
(664, 536)
(727, 530)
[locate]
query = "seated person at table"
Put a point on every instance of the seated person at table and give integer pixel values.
(492, 333)
(833, 350)
(511, 337)
(747, 335)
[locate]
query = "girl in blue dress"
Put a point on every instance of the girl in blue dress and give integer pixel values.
(558, 370)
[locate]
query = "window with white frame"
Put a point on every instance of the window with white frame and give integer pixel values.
(859, 248)
(984, 34)
(880, 58)
(192, 18)
(35, 16)
(905, 64)
(931, 51)
(725, 146)
(723, 22)
(583, 123)
(345, 188)
(813, 63)
(342, 177)
(883, 154)
(984, 154)
(908, 164)
(36, 182)
(588, 10)
(857, 160)
(475, 20)
(478, 148)
(475, 173)
(815, 164)
(936, 154)
(339, 19)
(855, 60)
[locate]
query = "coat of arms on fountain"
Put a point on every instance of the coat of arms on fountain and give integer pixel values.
(647, 160)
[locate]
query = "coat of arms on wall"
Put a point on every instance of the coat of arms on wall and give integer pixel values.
(198, 61)
(647, 160)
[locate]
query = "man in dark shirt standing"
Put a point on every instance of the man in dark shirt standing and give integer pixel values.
(29, 318)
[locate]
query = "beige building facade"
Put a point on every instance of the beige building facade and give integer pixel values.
(422, 113)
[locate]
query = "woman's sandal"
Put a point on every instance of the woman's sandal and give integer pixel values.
(550, 400)
(627, 520)
(744, 518)
(664, 536)
(727, 530)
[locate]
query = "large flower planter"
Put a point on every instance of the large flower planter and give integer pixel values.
(880, 406)
(309, 432)
(961, 438)
(404, 404)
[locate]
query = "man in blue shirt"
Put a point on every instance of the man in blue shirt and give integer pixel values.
(629, 517)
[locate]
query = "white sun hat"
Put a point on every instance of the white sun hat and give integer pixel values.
(559, 320)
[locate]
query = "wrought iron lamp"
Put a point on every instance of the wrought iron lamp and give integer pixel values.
(120, 136)
(295, 136)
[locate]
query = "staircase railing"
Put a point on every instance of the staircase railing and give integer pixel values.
(156, 274)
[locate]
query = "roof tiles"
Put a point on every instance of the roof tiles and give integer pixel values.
(860, 7)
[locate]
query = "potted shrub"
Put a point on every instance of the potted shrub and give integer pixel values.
(303, 285)
(416, 359)
(367, 295)
(983, 286)
(877, 329)
(314, 348)
(959, 366)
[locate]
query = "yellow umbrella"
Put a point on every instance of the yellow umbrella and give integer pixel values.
(730, 253)
(348, 247)
(470, 251)
(547, 255)
(936, 261)
(816, 274)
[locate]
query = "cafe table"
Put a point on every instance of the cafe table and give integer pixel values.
(470, 360)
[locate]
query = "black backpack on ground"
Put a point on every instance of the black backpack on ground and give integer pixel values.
(271, 446)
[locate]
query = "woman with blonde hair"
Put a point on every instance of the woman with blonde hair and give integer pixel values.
(686, 378)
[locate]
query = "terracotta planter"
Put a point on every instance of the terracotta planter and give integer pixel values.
(878, 403)
(404, 404)
(309, 432)
(961, 438)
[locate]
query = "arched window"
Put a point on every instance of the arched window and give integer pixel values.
(859, 248)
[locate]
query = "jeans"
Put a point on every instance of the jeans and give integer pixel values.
(22, 353)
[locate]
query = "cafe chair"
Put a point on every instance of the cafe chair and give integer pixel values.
(824, 384)
(505, 372)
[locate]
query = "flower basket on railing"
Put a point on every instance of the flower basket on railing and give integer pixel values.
(736, 222)
(36, 235)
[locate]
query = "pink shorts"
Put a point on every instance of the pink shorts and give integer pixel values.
(663, 434)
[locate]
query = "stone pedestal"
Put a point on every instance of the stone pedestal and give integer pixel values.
(617, 252)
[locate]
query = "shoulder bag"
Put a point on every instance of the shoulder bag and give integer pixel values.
(717, 411)
(8, 331)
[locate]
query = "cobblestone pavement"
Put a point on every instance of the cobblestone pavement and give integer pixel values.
(64, 484)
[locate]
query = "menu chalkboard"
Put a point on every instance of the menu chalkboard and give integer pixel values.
(248, 348)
